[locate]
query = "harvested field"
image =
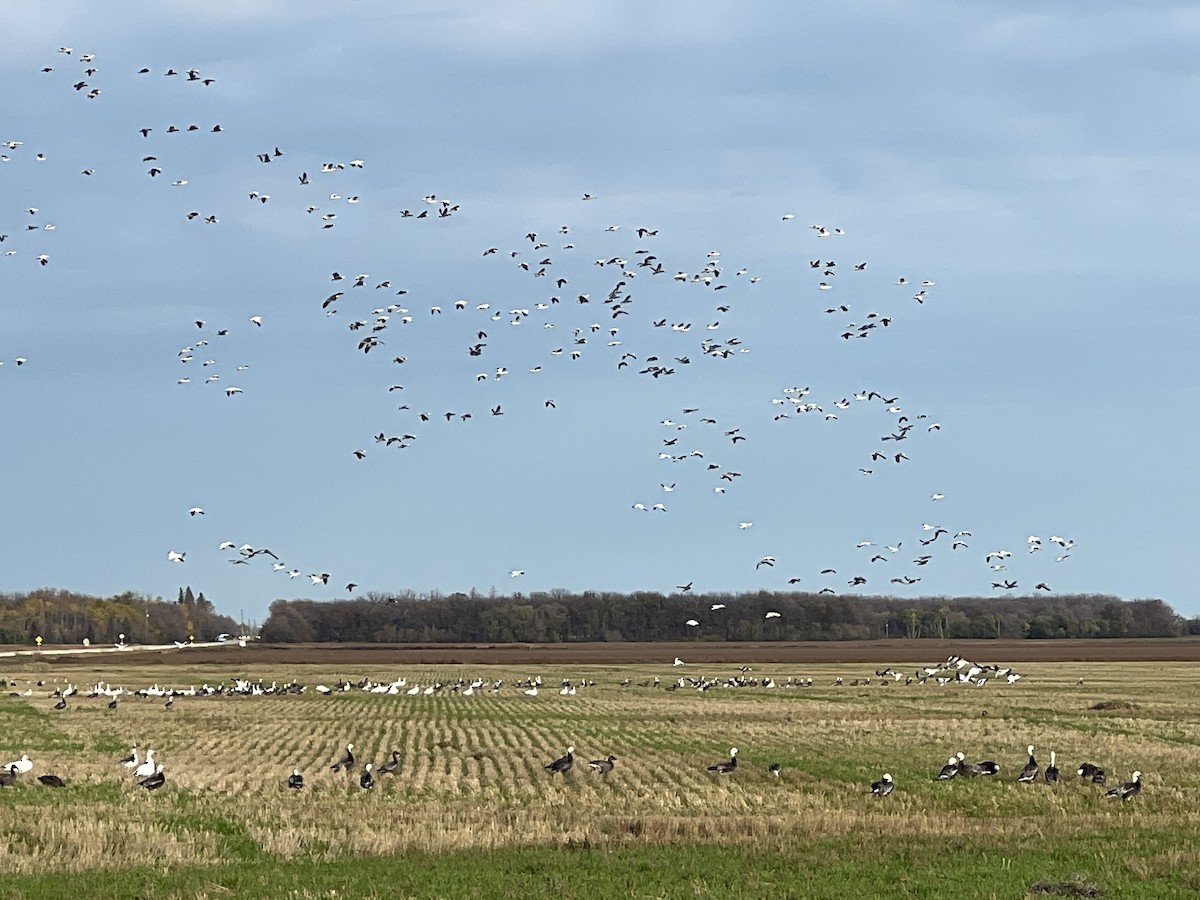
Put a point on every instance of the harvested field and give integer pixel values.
(471, 775)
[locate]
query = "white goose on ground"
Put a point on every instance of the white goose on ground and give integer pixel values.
(147, 768)
(21, 766)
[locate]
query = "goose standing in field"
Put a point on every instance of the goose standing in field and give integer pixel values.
(1031, 770)
(130, 761)
(1089, 772)
(988, 767)
(147, 768)
(295, 780)
(8, 776)
(971, 770)
(883, 786)
(949, 770)
(154, 781)
(603, 766)
(1051, 773)
(346, 761)
(390, 767)
(52, 781)
(22, 766)
(562, 764)
(726, 766)
(1127, 790)
(366, 781)
(775, 769)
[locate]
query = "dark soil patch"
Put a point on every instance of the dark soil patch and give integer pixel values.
(1004, 652)
(1113, 704)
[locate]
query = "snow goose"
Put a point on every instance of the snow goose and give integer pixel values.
(147, 768)
(1051, 773)
(949, 770)
(154, 781)
(726, 766)
(1031, 770)
(1127, 790)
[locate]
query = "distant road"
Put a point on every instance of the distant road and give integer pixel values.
(114, 648)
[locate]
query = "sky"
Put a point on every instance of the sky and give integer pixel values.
(1035, 165)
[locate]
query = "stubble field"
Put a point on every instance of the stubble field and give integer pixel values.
(470, 810)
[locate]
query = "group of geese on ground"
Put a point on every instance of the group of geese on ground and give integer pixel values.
(881, 788)
(148, 772)
(957, 765)
(366, 779)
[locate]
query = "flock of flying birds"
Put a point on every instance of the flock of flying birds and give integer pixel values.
(605, 301)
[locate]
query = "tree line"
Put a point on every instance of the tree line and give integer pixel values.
(559, 616)
(65, 617)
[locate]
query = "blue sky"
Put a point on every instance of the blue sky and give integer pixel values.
(1037, 164)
